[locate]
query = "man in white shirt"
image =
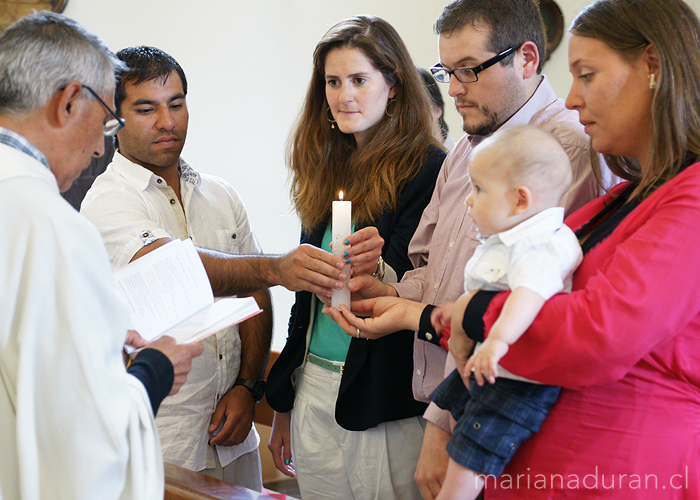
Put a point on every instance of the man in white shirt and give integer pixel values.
(75, 423)
(148, 196)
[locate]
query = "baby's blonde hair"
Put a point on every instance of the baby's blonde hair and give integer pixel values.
(530, 156)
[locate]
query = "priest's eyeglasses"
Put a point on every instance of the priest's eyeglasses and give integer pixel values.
(113, 125)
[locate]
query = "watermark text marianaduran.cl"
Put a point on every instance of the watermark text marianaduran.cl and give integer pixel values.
(592, 481)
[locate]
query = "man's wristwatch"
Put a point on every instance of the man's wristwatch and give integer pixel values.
(256, 387)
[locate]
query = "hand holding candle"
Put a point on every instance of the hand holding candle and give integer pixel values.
(341, 229)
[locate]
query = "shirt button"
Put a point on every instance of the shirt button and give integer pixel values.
(428, 337)
(435, 286)
(221, 356)
(451, 243)
(419, 371)
(172, 202)
(159, 181)
(234, 235)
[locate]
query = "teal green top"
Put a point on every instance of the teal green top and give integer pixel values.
(328, 340)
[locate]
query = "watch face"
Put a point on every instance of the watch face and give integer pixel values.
(259, 390)
(11, 10)
(256, 387)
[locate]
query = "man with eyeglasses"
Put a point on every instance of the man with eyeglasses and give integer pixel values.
(75, 422)
(491, 55)
(150, 195)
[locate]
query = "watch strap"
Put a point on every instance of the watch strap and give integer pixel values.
(256, 387)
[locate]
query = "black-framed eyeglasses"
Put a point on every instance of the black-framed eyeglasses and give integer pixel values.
(113, 125)
(468, 75)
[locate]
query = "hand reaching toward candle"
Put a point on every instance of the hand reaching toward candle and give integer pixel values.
(389, 314)
(364, 286)
(365, 250)
(311, 269)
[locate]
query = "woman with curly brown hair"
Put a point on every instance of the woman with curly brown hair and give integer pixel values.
(345, 408)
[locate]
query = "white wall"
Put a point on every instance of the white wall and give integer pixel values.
(248, 64)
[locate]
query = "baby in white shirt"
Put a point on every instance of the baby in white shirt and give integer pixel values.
(518, 176)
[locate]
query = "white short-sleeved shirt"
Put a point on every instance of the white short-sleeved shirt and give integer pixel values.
(541, 254)
(133, 207)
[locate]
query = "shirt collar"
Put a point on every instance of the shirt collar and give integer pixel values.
(141, 177)
(548, 220)
(14, 140)
(543, 96)
(187, 173)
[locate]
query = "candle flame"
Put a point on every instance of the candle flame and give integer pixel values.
(340, 196)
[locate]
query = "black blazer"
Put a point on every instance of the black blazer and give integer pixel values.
(376, 385)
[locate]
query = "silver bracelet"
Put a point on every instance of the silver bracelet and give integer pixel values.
(379, 273)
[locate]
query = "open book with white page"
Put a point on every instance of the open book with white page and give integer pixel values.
(169, 293)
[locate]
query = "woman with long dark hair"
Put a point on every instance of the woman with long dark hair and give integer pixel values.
(346, 421)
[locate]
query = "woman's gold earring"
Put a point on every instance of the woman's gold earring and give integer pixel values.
(652, 81)
(331, 118)
(386, 110)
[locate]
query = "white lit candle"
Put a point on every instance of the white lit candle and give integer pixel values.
(341, 229)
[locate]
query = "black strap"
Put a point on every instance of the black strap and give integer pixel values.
(607, 220)
(604, 222)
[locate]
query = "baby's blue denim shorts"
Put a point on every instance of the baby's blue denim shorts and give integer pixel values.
(493, 420)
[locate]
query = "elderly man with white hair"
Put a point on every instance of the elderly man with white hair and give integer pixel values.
(75, 422)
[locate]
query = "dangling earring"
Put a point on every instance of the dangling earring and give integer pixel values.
(331, 118)
(652, 81)
(386, 110)
(443, 128)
